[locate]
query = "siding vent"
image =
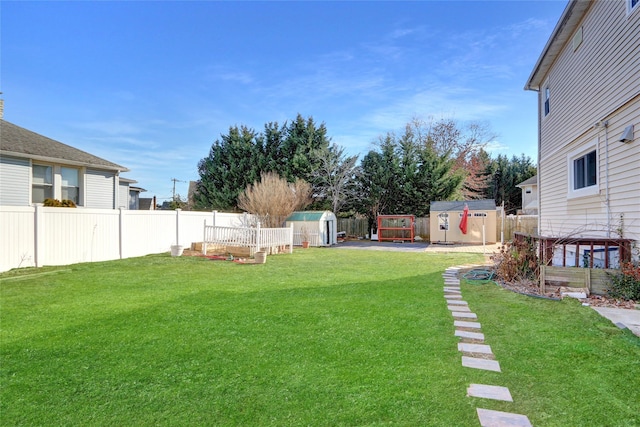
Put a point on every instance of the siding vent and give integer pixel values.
(577, 39)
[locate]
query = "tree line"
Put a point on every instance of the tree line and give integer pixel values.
(428, 161)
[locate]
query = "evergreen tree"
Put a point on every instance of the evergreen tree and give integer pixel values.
(240, 157)
(505, 175)
(405, 175)
(297, 157)
(234, 162)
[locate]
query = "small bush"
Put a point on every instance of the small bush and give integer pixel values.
(626, 283)
(52, 203)
(65, 203)
(517, 261)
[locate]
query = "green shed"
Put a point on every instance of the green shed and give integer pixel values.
(319, 228)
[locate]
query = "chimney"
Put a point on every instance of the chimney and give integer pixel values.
(1, 107)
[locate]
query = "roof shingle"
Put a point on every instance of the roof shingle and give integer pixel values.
(21, 142)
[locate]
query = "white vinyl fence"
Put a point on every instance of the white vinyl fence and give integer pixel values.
(270, 240)
(38, 236)
(312, 238)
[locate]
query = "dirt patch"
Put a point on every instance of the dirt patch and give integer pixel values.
(528, 287)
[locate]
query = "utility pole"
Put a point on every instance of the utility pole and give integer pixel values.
(174, 186)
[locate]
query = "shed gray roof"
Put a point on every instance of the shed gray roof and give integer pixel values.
(474, 205)
(531, 181)
(17, 141)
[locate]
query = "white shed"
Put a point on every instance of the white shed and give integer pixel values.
(320, 226)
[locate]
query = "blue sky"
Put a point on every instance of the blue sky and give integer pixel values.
(151, 85)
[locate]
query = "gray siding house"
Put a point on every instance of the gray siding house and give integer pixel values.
(587, 81)
(529, 189)
(34, 168)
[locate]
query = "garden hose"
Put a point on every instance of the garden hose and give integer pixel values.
(479, 274)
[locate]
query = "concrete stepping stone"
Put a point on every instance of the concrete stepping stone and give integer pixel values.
(464, 324)
(489, 418)
(451, 288)
(470, 335)
(453, 296)
(474, 348)
(453, 291)
(484, 364)
(456, 302)
(489, 392)
(459, 308)
(463, 315)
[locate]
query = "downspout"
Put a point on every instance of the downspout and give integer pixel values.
(605, 123)
(539, 189)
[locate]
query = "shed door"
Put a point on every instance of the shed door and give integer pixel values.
(328, 224)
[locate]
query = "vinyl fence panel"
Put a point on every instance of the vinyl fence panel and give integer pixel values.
(69, 236)
(16, 237)
(38, 236)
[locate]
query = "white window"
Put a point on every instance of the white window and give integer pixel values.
(41, 183)
(632, 5)
(547, 93)
(70, 187)
(583, 171)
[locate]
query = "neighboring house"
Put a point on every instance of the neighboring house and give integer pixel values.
(147, 203)
(529, 189)
(588, 84)
(129, 195)
(34, 168)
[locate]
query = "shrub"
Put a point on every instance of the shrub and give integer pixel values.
(273, 199)
(517, 261)
(65, 203)
(626, 283)
(52, 202)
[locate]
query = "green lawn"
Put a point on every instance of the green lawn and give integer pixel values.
(322, 337)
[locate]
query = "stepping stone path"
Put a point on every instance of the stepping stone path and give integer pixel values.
(477, 355)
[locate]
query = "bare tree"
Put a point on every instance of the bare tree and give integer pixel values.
(335, 176)
(273, 199)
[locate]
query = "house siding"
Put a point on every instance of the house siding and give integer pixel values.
(99, 187)
(15, 176)
(597, 81)
(123, 196)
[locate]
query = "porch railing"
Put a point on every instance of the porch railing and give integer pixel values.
(578, 251)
